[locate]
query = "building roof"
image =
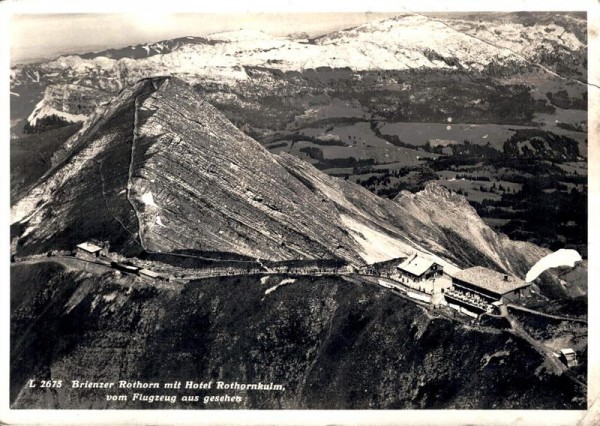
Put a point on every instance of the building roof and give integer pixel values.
(390, 262)
(568, 351)
(416, 265)
(89, 247)
(490, 280)
(149, 273)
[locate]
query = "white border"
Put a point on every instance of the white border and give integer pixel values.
(429, 417)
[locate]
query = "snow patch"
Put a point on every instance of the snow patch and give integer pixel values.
(376, 245)
(283, 282)
(148, 199)
(159, 221)
(562, 257)
(28, 231)
(110, 297)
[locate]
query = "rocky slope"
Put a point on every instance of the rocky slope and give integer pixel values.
(69, 103)
(331, 343)
(448, 218)
(162, 170)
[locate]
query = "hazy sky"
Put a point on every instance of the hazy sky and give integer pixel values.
(34, 37)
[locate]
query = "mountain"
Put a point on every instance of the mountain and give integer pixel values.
(488, 44)
(161, 170)
(491, 96)
(146, 50)
(158, 170)
(194, 156)
(332, 343)
(447, 217)
(66, 103)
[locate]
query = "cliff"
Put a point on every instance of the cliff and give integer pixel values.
(331, 343)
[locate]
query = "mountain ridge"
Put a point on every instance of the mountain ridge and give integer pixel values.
(410, 41)
(163, 170)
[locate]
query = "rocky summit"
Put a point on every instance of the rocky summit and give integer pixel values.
(162, 170)
(158, 169)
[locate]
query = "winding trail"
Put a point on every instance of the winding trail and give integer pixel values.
(546, 352)
(107, 206)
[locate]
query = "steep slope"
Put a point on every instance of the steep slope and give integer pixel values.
(161, 170)
(331, 343)
(437, 214)
(164, 171)
(447, 217)
(435, 221)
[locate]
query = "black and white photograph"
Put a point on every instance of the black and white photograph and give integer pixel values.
(299, 210)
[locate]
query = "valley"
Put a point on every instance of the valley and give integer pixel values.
(354, 125)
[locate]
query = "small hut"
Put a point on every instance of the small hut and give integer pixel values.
(568, 357)
(88, 251)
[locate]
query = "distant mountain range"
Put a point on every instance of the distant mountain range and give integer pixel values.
(481, 44)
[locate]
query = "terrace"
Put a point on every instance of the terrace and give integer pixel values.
(472, 300)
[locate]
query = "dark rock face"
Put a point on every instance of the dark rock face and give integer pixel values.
(330, 342)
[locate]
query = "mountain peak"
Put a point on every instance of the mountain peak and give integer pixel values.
(433, 190)
(162, 170)
(159, 169)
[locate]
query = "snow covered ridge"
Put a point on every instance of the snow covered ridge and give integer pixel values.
(562, 257)
(241, 35)
(409, 41)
